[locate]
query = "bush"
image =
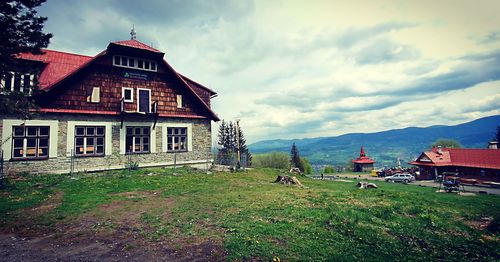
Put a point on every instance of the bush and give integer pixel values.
(446, 143)
(307, 166)
(329, 170)
(272, 160)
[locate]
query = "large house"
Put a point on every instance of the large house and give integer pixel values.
(124, 104)
(468, 163)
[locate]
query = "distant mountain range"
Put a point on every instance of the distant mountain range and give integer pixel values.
(385, 147)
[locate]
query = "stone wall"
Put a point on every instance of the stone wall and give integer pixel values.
(201, 143)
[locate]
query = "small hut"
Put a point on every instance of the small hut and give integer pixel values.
(362, 163)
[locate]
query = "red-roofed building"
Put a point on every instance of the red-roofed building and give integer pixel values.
(469, 163)
(362, 163)
(126, 100)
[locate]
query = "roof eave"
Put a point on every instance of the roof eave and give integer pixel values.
(214, 116)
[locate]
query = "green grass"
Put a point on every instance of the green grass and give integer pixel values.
(255, 218)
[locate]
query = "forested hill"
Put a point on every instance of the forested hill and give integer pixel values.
(385, 147)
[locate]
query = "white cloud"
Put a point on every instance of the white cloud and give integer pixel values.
(293, 69)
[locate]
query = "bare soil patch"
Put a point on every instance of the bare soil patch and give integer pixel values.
(25, 222)
(52, 202)
(480, 224)
(112, 232)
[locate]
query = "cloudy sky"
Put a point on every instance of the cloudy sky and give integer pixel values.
(295, 69)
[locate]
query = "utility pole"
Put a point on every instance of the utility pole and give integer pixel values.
(238, 142)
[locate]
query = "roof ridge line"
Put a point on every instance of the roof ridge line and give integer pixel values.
(64, 52)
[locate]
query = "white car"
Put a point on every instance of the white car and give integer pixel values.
(405, 178)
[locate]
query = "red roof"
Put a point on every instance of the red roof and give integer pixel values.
(464, 157)
(58, 65)
(363, 159)
(136, 44)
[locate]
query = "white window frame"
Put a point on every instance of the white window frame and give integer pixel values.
(25, 138)
(7, 134)
(70, 135)
(149, 90)
(95, 145)
(123, 135)
(164, 138)
(136, 63)
(131, 100)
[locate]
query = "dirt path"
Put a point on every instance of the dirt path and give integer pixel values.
(111, 232)
(97, 248)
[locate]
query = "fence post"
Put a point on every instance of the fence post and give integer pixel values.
(209, 152)
(72, 163)
(129, 162)
(175, 163)
(2, 174)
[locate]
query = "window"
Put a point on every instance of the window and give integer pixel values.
(128, 94)
(137, 139)
(89, 140)
(131, 62)
(177, 139)
(179, 101)
(18, 82)
(30, 142)
(143, 100)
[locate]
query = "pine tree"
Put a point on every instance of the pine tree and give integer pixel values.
(222, 142)
(243, 146)
(231, 137)
(295, 160)
(21, 32)
(228, 144)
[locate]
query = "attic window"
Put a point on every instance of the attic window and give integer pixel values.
(136, 63)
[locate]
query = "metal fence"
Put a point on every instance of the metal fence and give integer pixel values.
(231, 159)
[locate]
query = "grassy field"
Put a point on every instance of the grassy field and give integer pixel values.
(243, 216)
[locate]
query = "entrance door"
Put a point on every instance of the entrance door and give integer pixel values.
(143, 101)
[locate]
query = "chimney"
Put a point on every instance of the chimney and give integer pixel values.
(493, 145)
(440, 150)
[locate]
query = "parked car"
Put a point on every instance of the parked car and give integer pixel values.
(405, 178)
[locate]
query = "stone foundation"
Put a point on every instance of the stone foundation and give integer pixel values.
(199, 154)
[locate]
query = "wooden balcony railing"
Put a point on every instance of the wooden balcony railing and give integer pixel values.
(154, 111)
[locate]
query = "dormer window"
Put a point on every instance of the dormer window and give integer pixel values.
(17, 82)
(133, 62)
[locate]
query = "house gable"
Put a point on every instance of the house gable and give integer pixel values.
(424, 158)
(71, 92)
